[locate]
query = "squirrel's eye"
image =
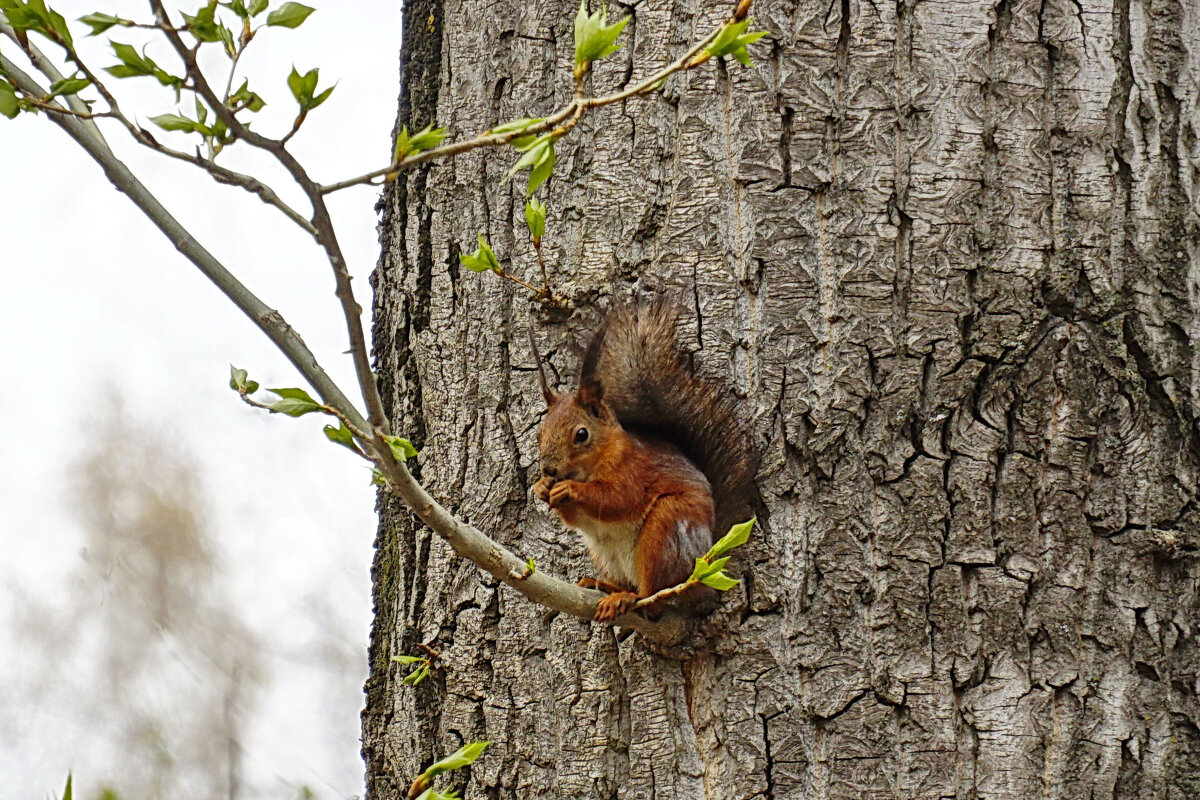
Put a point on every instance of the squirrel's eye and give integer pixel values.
(581, 436)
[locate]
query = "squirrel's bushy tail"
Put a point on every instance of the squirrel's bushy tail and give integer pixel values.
(652, 390)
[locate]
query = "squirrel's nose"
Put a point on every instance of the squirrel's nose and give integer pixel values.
(550, 472)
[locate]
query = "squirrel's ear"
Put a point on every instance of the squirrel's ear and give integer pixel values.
(590, 398)
(550, 397)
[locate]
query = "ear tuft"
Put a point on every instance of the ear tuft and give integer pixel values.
(590, 398)
(550, 397)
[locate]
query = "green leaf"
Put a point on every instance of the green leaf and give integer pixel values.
(402, 449)
(239, 380)
(226, 37)
(304, 89)
(403, 145)
(732, 40)
(239, 8)
(289, 15)
(35, 16)
(542, 169)
(407, 659)
(124, 71)
(130, 58)
(296, 83)
(427, 139)
(594, 39)
(68, 86)
(517, 125)
(535, 145)
(292, 408)
(433, 794)
(175, 122)
(712, 568)
(99, 23)
(719, 581)
(525, 143)
(464, 756)
(293, 394)
(203, 24)
(258, 6)
(293, 402)
(531, 567)
(134, 65)
(10, 106)
(704, 568)
(377, 478)
(341, 435)
(482, 260)
(22, 17)
(737, 535)
(246, 98)
(534, 153)
(535, 219)
(539, 158)
(68, 790)
(416, 676)
(321, 98)
(59, 26)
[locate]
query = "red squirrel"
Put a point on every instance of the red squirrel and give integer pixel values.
(644, 459)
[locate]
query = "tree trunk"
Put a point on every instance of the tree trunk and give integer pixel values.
(947, 254)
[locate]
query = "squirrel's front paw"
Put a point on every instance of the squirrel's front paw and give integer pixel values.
(614, 605)
(561, 493)
(541, 489)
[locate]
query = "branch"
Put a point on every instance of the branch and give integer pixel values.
(560, 121)
(357, 432)
(501, 563)
(466, 540)
(267, 319)
(78, 108)
(47, 68)
(321, 220)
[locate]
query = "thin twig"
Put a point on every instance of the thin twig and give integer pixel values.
(541, 294)
(321, 220)
(53, 108)
(142, 136)
(47, 68)
(567, 117)
(296, 123)
(232, 69)
(537, 248)
(332, 411)
(662, 594)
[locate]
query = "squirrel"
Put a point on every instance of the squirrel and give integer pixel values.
(644, 459)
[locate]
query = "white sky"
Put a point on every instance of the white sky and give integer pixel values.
(92, 293)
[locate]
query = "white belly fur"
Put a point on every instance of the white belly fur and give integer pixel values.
(611, 546)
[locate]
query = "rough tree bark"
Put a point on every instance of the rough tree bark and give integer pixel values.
(947, 253)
